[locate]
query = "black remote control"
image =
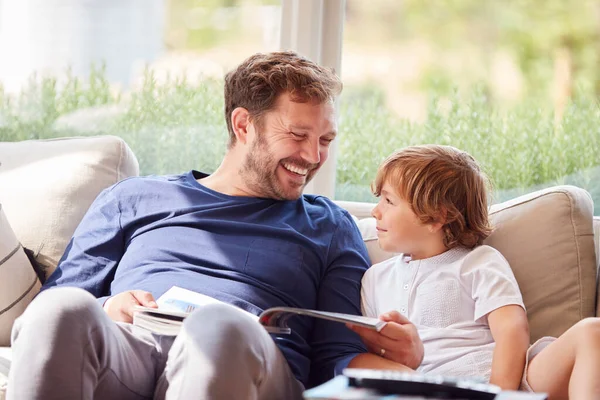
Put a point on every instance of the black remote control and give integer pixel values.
(415, 384)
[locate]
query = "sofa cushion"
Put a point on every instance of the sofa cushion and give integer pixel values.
(18, 281)
(48, 185)
(547, 237)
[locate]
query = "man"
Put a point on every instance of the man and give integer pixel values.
(244, 235)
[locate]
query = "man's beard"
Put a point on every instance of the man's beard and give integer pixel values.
(260, 172)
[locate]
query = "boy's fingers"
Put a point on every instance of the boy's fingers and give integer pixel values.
(374, 339)
(394, 316)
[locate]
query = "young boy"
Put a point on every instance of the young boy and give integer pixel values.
(462, 295)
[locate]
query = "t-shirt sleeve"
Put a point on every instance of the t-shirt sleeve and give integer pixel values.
(493, 282)
(333, 344)
(92, 255)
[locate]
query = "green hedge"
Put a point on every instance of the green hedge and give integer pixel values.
(177, 126)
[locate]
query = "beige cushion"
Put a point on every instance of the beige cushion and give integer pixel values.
(48, 185)
(547, 237)
(18, 281)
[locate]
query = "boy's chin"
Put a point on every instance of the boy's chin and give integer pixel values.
(386, 247)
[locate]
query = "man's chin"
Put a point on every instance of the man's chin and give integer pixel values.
(292, 194)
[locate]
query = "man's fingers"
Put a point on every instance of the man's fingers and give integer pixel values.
(394, 316)
(144, 298)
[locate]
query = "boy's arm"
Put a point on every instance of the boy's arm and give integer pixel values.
(399, 339)
(510, 330)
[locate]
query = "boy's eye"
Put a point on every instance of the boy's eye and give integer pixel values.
(387, 200)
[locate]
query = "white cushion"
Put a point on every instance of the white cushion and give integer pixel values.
(18, 280)
(48, 185)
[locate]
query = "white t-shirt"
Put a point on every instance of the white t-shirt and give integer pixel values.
(448, 298)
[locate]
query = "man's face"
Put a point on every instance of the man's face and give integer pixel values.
(288, 148)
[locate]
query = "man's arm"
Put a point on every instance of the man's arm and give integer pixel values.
(91, 258)
(510, 330)
(333, 345)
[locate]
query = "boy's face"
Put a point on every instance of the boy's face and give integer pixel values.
(400, 231)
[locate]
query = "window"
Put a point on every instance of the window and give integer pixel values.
(513, 83)
(149, 71)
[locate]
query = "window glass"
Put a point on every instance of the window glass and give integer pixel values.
(149, 71)
(514, 83)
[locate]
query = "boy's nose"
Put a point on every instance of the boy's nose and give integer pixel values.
(375, 212)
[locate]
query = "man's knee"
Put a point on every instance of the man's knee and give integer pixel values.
(224, 320)
(227, 330)
(56, 310)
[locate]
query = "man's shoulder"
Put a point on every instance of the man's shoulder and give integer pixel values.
(325, 206)
(136, 183)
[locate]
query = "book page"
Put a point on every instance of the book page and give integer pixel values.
(183, 300)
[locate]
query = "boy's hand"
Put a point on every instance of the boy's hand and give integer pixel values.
(120, 307)
(399, 340)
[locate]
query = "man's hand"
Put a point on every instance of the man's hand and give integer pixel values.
(120, 307)
(399, 339)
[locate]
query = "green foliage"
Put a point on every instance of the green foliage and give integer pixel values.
(206, 24)
(175, 126)
(521, 149)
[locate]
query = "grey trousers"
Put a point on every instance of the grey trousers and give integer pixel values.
(66, 347)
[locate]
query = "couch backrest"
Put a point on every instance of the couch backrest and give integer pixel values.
(547, 237)
(48, 185)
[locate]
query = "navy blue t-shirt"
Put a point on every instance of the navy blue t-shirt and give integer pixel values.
(152, 233)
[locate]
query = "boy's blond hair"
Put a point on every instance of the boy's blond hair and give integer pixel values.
(441, 184)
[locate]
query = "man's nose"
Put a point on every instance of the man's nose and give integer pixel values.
(312, 151)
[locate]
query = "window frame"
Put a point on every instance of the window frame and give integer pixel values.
(315, 28)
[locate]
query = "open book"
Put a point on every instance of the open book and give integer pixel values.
(177, 303)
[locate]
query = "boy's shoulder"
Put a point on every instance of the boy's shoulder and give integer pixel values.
(485, 256)
(386, 265)
(485, 253)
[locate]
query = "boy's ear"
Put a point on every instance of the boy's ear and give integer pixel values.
(435, 227)
(440, 221)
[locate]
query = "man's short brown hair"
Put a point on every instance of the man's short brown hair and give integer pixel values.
(441, 184)
(258, 81)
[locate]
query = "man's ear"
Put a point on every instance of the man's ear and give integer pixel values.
(240, 122)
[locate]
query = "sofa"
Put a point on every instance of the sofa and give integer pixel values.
(550, 237)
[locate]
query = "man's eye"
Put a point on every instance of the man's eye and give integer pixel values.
(326, 142)
(296, 135)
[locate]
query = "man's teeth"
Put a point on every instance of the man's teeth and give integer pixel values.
(299, 171)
